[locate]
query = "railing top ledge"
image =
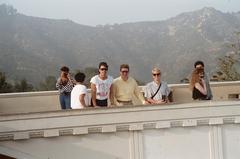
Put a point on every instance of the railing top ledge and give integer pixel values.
(47, 93)
(123, 109)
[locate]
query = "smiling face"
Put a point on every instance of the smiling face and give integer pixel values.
(124, 73)
(103, 71)
(156, 75)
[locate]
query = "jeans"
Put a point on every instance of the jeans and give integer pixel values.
(65, 101)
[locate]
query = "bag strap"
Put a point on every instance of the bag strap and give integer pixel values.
(156, 91)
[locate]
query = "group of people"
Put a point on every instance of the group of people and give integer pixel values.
(123, 90)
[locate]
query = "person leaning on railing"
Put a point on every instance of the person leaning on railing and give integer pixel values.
(101, 86)
(79, 98)
(157, 91)
(125, 88)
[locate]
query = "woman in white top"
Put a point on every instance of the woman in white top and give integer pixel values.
(101, 86)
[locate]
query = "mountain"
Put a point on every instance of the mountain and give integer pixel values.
(33, 48)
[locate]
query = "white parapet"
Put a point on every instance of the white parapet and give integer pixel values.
(200, 130)
(48, 100)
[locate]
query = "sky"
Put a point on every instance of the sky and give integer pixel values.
(102, 12)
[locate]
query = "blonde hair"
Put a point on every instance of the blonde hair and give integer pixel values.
(155, 69)
(195, 77)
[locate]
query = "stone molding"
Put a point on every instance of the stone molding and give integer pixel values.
(110, 120)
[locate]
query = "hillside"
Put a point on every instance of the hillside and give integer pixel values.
(34, 48)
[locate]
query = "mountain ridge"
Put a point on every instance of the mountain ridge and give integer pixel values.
(34, 48)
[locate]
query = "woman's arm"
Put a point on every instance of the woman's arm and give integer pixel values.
(93, 93)
(201, 88)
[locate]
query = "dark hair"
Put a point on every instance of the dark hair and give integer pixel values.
(198, 63)
(80, 77)
(124, 66)
(64, 69)
(103, 64)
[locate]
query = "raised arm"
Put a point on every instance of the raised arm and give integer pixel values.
(202, 88)
(59, 84)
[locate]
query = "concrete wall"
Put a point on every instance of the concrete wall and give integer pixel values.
(48, 101)
(201, 130)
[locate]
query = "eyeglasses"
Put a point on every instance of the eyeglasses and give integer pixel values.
(156, 74)
(124, 71)
(103, 69)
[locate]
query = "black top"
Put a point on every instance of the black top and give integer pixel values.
(196, 94)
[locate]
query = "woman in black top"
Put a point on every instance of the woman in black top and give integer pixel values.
(198, 85)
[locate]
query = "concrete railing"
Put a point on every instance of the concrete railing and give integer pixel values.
(199, 130)
(48, 100)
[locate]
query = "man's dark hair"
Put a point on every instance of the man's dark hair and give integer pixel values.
(124, 66)
(64, 69)
(198, 63)
(103, 64)
(80, 77)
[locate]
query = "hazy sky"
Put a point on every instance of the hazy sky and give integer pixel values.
(94, 12)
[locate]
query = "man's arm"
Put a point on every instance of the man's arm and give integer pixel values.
(111, 97)
(81, 99)
(113, 94)
(139, 94)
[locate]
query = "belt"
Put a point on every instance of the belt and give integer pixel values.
(124, 101)
(66, 93)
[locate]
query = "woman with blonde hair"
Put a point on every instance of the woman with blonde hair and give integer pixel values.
(198, 85)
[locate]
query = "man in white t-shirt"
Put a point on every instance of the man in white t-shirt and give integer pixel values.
(79, 93)
(101, 86)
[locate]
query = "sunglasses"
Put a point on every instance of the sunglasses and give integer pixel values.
(103, 69)
(156, 74)
(124, 71)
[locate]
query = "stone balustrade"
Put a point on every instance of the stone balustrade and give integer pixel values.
(48, 100)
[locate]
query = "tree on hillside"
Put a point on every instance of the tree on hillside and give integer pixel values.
(7, 10)
(23, 86)
(4, 86)
(229, 65)
(48, 84)
(140, 83)
(90, 72)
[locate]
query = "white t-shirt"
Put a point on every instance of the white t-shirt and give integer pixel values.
(152, 87)
(102, 86)
(75, 96)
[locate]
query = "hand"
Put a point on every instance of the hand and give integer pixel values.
(69, 76)
(145, 102)
(202, 80)
(161, 102)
